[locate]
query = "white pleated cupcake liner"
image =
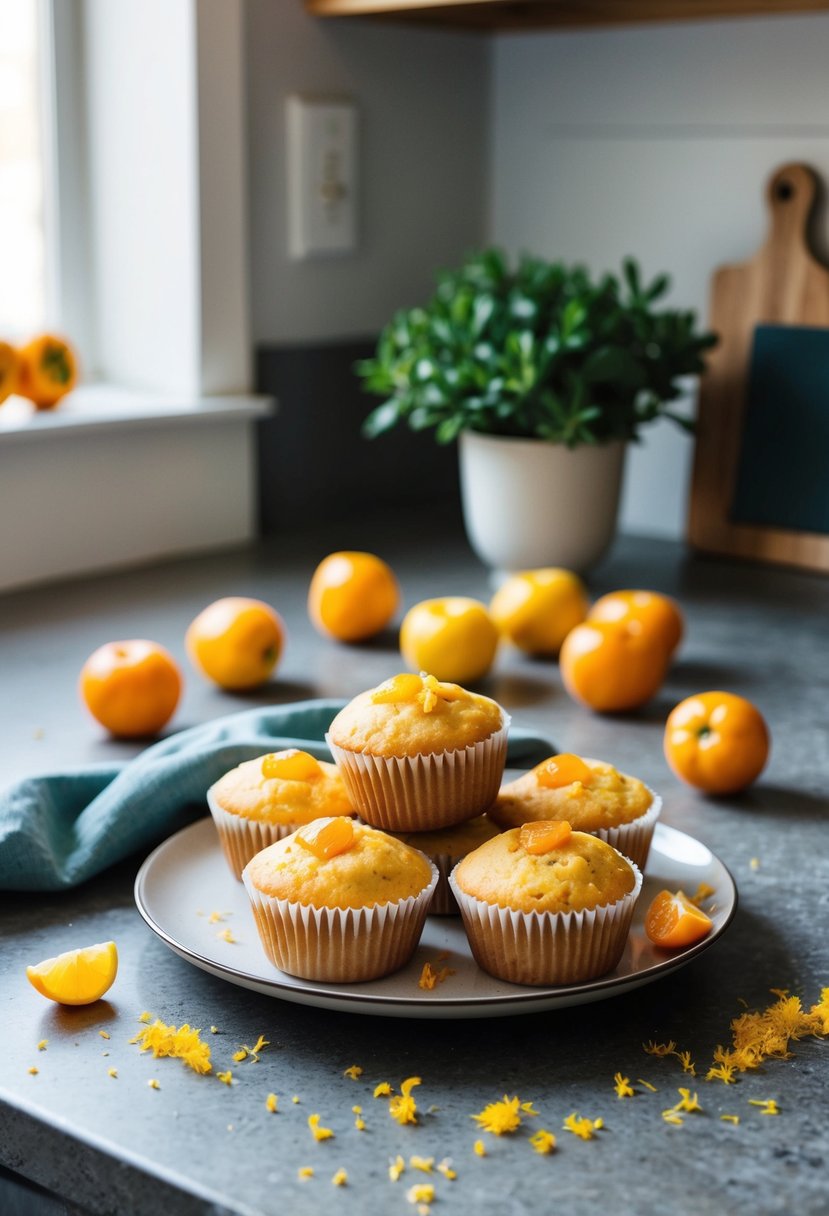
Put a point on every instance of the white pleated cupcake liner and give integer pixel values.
(633, 839)
(425, 792)
(443, 901)
(339, 945)
(547, 948)
(241, 838)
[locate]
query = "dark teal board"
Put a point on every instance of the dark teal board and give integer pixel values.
(783, 472)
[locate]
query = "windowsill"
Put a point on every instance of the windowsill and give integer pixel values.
(104, 407)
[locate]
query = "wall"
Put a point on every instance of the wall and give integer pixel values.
(422, 97)
(654, 141)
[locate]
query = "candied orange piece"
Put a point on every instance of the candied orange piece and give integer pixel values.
(404, 687)
(563, 770)
(545, 835)
(673, 921)
(291, 765)
(326, 838)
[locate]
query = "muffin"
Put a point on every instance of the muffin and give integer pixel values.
(591, 795)
(262, 800)
(339, 902)
(417, 754)
(445, 848)
(542, 904)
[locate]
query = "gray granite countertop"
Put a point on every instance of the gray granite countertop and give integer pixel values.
(114, 1145)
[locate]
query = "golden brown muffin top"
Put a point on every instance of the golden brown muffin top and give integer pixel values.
(583, 872)
(372, 869)
(411, 715)
(589, 794)
(287, 787)
(454, 841)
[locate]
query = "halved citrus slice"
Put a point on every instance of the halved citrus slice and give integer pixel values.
(673, 921)
(76, 977)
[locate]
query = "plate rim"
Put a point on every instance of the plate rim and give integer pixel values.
(553, 994)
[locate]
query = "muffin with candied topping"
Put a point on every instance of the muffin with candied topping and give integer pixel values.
(446, 847)
(262, 800)
(542, 904)
(591, 795)
(418, 754)
(338, 901)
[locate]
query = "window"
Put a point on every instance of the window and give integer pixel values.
(22, 192)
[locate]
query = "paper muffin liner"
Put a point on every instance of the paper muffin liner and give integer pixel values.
(633, 840)
(547, 948)
(339, 945)
(425, 792)
(243, 838)
(443, 901)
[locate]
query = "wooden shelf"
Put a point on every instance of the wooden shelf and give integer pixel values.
(561, 14)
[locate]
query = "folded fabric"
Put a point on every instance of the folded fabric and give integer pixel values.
(56, 831)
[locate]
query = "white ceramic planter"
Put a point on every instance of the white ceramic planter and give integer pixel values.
(528, 503)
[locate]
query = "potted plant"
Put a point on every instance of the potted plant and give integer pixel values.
(544, 374)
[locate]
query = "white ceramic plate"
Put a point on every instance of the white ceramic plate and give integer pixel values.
(186, 880)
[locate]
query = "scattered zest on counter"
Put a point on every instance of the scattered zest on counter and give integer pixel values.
(184, 1043)
(543, 1142)
(735, 1119)
(403, 1107)
(153, 1084)
(226, 1078)
(501, 1118)
(354, 1072)
(383, 1090)
(112, 1072)
(305, 1172)
(421, 1192)
(582, 1127)
(622, 1085)
(479, 1148)
(272, 1103)
(44, 1043)
(319, 1133)
(768, 1105)
(396, 1168)
(340, 1178)
(431, 976)
(445, 1167)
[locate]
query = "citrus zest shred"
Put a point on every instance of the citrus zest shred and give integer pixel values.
(145, 1017)
(340, 1178)
(622, 1085)
(671, 1116)
(104, 1034)
(215, 917)
(584, 1128)
(735, 1119)
(214, 1029)
(226, 1078)
(305, 1172)
(659, 1049)
(754, 863)
(529, 1109)
(260, 1044)
(383, 1090)
(43, 1044)
(295, 1099)
(721, 1072)
(226, 935)
(687, 1100)
(703, 892)
(769, 1106)
(543, 1141)
(153, 1084)
(421, 1192)
(403, 1107)
(501, 1118)
(445, 1167)
(430, 976)
(360, 1123)
(355, 1071)
(396, 1168)
(647, 1085)
(241, 1054)
(424, 1164)
(272, 1103)
(687, 1063)
(319, 1133)
(184, 1043)
(112, 1072)
(479, 1148)
(33, 1071)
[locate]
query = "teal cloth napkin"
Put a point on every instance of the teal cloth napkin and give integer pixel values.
(56, 831)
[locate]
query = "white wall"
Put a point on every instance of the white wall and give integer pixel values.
(422, 97)
(654, 141)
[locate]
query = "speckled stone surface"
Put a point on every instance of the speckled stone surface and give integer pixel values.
(196, 1146)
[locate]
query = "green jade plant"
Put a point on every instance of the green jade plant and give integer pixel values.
(540, 351)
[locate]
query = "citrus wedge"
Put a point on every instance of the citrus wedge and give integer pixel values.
(77, 977)
(673, 921)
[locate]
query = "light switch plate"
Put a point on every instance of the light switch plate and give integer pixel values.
(322, 176)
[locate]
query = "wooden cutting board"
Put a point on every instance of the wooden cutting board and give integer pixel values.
(782, 285)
